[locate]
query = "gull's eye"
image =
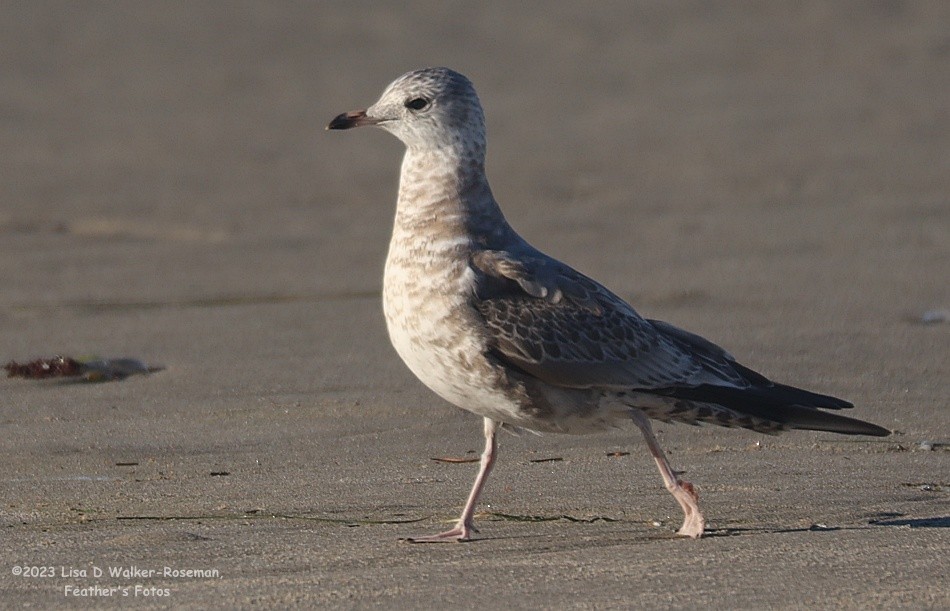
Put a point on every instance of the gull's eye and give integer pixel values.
(417, 103)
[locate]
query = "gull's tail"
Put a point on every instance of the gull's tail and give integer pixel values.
(786, 406)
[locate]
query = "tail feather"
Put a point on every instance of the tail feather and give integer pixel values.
(786, 405)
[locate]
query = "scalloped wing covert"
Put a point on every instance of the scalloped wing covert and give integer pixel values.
(561, 327)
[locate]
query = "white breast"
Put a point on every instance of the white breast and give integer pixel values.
(435, 330)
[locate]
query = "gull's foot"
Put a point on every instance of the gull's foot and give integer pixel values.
(693, 527)
(460, 534)
(694, 524)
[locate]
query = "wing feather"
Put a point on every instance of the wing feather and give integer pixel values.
(560, 326)
(552, 322)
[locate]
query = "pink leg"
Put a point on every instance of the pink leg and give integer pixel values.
(683, 492)
(465, 527)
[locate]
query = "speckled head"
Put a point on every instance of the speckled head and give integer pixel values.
(431, 108)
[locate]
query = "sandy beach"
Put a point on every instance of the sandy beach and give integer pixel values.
(773, 177)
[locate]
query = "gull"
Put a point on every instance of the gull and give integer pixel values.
(498, 328)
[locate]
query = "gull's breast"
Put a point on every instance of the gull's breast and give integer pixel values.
(427, 288)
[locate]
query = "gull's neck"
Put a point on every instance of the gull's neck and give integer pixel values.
(443, 191)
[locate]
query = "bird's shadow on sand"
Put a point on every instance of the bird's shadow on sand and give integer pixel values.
(895, 520)
(940, 522)
(711, 533)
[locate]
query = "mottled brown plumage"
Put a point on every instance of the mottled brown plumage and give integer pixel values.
(498, 328)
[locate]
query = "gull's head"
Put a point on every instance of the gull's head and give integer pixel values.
(431, 108)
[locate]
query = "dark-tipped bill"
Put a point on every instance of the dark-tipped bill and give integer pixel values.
(354, 118)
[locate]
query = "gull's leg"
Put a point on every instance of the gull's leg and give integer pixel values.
(465, 527)
(683, 492)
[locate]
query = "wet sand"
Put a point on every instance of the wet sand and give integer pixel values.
(775, 179)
